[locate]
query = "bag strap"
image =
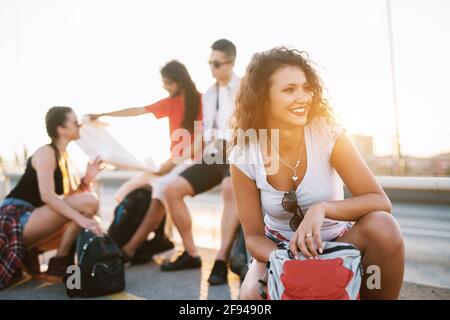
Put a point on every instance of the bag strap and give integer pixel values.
(215, 126)
(263, 282)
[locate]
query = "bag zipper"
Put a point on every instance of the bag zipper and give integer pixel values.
(95, 266)
(104, 265)
(329, 250)
(338, 248)
(85, 246)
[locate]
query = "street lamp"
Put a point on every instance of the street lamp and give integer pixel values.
(398, 166)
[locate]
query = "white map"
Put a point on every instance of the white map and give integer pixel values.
(96, 141)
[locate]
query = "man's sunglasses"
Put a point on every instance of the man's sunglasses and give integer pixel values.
(290, 204)
(216, 64)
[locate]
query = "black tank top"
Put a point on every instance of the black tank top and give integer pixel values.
(27, 188)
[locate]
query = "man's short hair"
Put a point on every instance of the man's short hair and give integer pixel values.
(225, 46)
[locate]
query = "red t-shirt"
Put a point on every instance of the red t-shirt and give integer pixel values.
(173, 108)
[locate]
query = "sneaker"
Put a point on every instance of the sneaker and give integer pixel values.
(184, 261)
(57, 268)
(219, 273)
(146, 251)
(124, 256)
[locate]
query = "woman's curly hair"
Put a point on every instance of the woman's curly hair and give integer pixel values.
(252, 101)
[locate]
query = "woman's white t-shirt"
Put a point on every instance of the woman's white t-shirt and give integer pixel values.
(320, 183)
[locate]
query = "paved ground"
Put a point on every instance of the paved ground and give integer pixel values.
(148, 282)
(144, 282)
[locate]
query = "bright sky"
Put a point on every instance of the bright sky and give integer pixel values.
(104, 55)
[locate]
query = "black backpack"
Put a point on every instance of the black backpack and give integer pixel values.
(128, 215)
(100, 265)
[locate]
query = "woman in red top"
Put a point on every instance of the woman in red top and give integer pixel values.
(182, 107)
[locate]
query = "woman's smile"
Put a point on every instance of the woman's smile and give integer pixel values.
(299, 111)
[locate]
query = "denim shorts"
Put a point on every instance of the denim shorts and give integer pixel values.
(25, 216)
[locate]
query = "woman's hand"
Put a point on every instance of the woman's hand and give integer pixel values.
(92, 169)
(166, 167)
(94, 116)
(307, 236)
(90, 224)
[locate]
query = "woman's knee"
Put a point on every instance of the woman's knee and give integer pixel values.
(86, 202)
(226, 188)
(381, 227)
(91, 203)
(177, 189)
(138, 181)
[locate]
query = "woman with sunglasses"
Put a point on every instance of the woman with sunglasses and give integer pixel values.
(50, 204)
(288, 178)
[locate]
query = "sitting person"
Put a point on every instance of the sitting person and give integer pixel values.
(183, 108)
(287, 178)
(49, 200)
(213, 170)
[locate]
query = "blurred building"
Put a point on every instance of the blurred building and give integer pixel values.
(441, 164)
(438, 165)
(414, 166)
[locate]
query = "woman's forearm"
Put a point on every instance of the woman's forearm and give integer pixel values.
(260, 247)
(61, 207)
(128, 112)
(352, 209)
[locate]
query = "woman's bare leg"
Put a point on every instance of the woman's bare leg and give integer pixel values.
(230, 220)
(152, 219)
(249, 288)
(138, 181)
(44, 221)
(175, 193)
(90, 206)
(377, 235)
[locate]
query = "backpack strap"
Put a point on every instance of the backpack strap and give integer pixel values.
(263, 282)
(290, 255)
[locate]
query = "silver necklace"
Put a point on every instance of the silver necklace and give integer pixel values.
(297, 163)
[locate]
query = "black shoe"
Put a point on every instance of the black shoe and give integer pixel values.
(146, 251)
(219, 273)
(31, 262)
(124, 256)
(184, 261)
(57, 268)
